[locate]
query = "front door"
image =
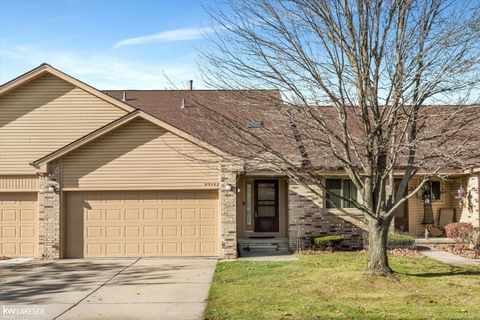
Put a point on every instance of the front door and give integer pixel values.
(266, 205)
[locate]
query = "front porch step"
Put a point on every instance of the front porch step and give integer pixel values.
(262, 246)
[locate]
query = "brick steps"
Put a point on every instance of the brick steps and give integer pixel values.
(262, 246)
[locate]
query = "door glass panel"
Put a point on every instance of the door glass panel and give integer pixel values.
(266, 191)
(266, 212)
(266, 200)
(266, 206)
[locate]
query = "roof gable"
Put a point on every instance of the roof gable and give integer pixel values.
(41, 162)
(46, 68)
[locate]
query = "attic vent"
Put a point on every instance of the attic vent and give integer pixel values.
(187, 103)
(254, 123)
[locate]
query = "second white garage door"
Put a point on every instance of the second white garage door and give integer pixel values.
(144, 223)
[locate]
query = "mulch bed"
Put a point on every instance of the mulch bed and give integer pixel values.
(393, 252)
(5, 258)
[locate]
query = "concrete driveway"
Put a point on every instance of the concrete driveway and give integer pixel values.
(145, 288)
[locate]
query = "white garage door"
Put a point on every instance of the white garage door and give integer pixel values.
(143, 223)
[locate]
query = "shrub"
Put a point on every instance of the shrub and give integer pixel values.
(400, 241)
(461, 231)
(327, 242)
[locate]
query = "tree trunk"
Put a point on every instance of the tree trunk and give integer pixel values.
(377, 247)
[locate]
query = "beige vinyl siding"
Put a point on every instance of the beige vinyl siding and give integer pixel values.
(18, 183)
(140, 155)
(44, 115)
(245, 231)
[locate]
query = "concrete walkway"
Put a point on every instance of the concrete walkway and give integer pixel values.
(448, 258)
(146, 288)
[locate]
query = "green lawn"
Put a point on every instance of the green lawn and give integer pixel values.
(333, 286)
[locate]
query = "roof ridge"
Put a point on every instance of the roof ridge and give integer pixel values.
(188, 90)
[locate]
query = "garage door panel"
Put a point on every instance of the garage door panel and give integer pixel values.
(93, 214)
(9, 232)
(169, 231)
(9, 249)
(132, 214)
(170, 249)
(113, 248)
(189, 248)
(9, 215)
(207, 214)
(27, 215)
(151, 223)
(152, 248)
(151, 231)
(133, 249)
(207, 231)
(188, 214)
(169, 214)
(150, 214)
(94, 232)
(27, 249)
(113, 231)
(27, 232)
(94, 249)
(113, 214)
(18, 224)
(208, 248)
(188, 231)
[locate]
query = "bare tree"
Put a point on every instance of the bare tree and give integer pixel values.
(354, 80)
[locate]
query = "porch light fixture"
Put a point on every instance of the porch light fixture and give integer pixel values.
(229, 187)
(52, 189)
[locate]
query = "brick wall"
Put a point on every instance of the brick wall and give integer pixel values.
(308, 217)
(228, 213)
(49, 213)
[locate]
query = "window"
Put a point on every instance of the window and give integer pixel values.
(434, 189)
(341, 187)
(248, 203)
